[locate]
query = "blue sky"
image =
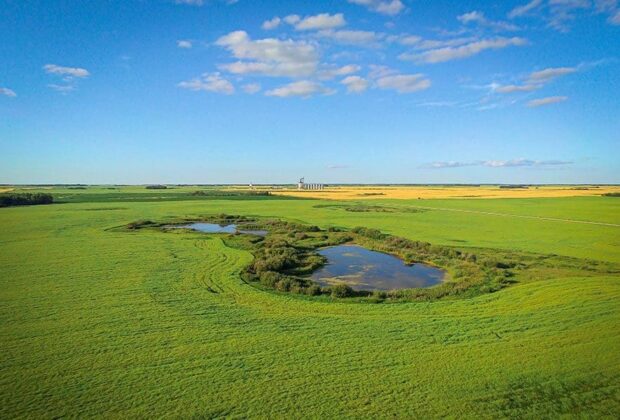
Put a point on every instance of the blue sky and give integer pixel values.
(362, 91)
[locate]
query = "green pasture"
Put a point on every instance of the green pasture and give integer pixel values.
(97, 322)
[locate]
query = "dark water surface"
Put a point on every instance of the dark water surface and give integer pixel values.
(215, 228)
(363, 269)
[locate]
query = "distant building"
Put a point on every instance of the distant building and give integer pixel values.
(301, 185)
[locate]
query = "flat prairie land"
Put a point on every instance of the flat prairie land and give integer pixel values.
(96, 321)
(428, 192)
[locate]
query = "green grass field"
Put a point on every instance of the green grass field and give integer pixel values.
(97, 322)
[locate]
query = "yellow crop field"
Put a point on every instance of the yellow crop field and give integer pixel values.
(429, 192)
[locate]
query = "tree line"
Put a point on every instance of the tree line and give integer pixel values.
(25, 199)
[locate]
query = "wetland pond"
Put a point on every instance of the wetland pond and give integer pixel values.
(215, 228)
(363, 269)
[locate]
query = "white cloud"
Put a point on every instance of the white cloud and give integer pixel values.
(536, 80)
(331, 72)
(210, 82)
(7, 92)
(252, 88)
(183, 43)
(498, 163)
(320, 21)
(403, 83)
(546, 101)
(406, 39)
(270, 56)
(355, 84)
(64, 89)
(467, 50)
(559, 13)
(429, 44)
(292, 19)
(474, 16)
(479, 19)
(271, 23)
(563, 11)
(516, 88)
(367, 38)
(386, 7)
(524, 9)
(377, 71)
(548, 74)
(66, 71)
(303, 88)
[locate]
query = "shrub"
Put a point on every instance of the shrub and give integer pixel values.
(26, 199)
(313, 290)
(285, 284)
(341, 290)
(270, 278)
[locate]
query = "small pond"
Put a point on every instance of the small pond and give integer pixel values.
(215, 228)
(363, 269)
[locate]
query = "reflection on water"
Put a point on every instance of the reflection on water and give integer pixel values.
(363, 269)
(215, 228)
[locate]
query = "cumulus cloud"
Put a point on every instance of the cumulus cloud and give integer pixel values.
(524, 9)
(497, 163)
(209, 82)
(441, 55)
(252, 88)
(403, 83)
(183, 43)
(302, 88)
(332, 71)
(320, 21)
(355, 84)
(7, 92)
(352, 37)
(68, 77)
(479, 18)
(269, 56)
(615, 18)
(271, 23)
(546, 101)
(66, 71)
(386, 7)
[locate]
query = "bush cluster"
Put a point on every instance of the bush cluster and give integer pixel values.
(25, 199)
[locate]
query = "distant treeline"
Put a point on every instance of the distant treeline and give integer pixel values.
(156, 187)
(513, 186)
(25, 199)
(612, 194)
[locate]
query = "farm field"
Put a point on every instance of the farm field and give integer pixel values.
(450, 191)
(97, 321)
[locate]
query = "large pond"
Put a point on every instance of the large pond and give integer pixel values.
(215, 228)
(363, 269)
